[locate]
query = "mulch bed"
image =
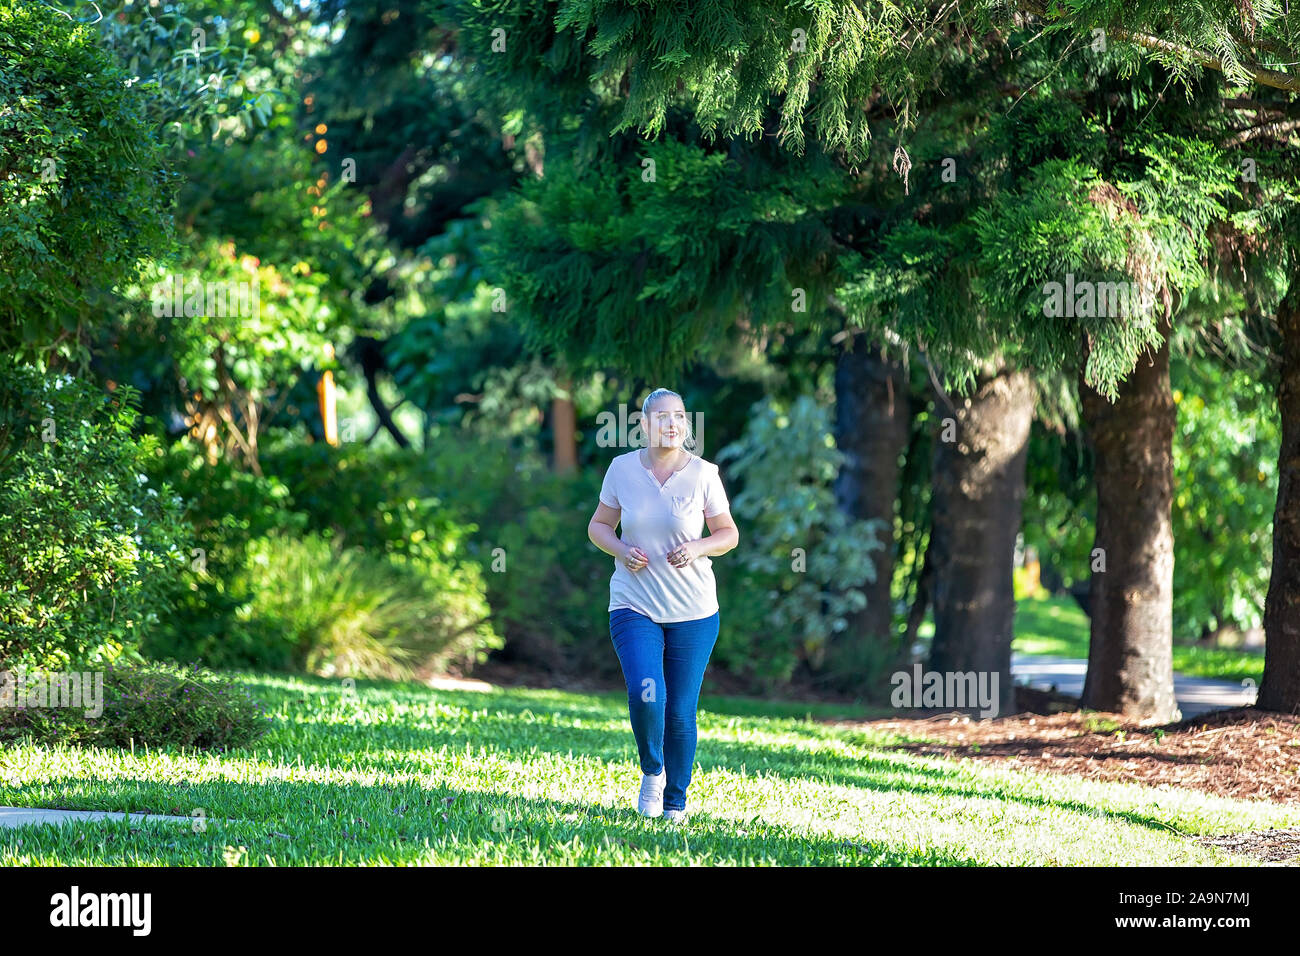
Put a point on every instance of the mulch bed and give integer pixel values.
(1241, 752)
(1270, 846)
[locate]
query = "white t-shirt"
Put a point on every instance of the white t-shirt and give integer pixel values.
(657, 519)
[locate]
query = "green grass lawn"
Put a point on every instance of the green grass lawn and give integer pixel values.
(1057, 627)
(401, 774)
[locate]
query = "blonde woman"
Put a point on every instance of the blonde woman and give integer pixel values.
(663, 604)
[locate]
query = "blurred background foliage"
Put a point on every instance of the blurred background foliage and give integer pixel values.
(383, 198)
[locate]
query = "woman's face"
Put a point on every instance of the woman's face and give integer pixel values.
(667, 422)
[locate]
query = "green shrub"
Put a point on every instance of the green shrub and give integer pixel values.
(547, 584)
(226, 511)
(83, 188)
(90, 550)
(152, 704)
(350, 612)
(337, 561)
(793, 582)
(1225, 488)
(381, 500)
(471, 502)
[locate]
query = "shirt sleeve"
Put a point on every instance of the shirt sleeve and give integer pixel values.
(715, 496)
(607, 495)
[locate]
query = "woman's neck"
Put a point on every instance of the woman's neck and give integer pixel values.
(664, 456)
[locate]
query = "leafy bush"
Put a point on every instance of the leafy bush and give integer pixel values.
(547, 584)
(90, 550)
(83, 184)
(226, 511)
(336, 561)
(497, 509)
(350, 612)
(794, 581)
(154, 705)
(367, 498)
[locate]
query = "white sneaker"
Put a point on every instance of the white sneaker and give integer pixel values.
(676, 816)
(650, 802)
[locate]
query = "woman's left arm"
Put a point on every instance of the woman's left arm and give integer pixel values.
(723, 536)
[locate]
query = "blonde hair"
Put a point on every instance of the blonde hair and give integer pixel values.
(688, 445)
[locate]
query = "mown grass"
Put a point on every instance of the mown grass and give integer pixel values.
(401, 774)
(1057, 627)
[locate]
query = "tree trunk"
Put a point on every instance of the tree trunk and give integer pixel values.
(872, 421)
(1130, 601)
(564, 429)
(369, 353)
(979, 487)
(1280, 688)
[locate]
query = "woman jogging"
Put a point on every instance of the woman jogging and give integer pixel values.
(663, 605)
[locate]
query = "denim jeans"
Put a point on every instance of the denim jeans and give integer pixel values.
(663, 666)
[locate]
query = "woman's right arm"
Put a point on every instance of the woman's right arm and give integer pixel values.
(600, 531)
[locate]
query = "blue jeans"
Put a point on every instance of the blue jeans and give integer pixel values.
(663, 666)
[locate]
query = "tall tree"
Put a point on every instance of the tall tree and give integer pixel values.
(1130, 603)
(839, 62)
(979, 487)
(872, 425)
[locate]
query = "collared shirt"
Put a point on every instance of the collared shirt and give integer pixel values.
(657, 519)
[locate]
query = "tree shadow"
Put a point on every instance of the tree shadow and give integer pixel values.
(408, 745)
(886, 772)
(403, 823)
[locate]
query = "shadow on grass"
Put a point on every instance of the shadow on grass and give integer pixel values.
(409, 745)
(319, 823)
(418, 745)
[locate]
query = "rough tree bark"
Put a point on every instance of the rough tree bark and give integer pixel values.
(978, 490)
(1130, 603)
(872, 420)
(1280, 688)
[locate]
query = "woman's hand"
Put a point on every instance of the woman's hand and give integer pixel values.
(684, 554)
(634, 559)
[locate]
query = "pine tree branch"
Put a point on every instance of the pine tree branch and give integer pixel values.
(1259, 106)
(1264, 76)
(1264, 129)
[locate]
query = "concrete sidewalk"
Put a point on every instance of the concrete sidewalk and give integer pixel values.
(27, 816)
(1195, 695)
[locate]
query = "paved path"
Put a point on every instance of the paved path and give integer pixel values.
(26, 816)
(1195, 695)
